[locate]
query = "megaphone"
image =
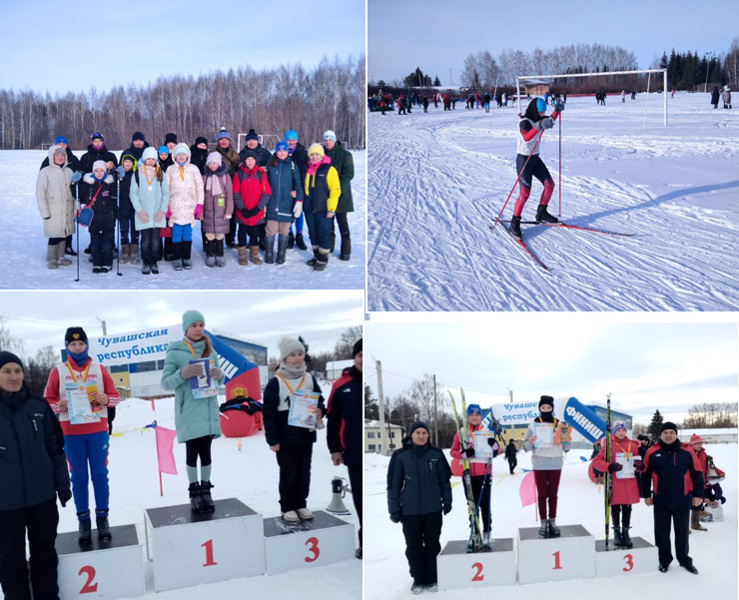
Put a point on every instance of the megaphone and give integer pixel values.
(338, 489)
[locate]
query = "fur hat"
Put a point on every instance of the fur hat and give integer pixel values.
(149, 153)
(289, 345)
(316, 149)
(214, 157)
(8, 357)
(75, 334)
(189, 317)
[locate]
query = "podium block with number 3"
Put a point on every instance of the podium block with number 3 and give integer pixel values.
(570, 556)
(642, 558)
(458, 569)
(324, 540)
(190, 549)
(113, 570)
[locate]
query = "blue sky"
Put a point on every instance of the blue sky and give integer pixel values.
(437, 35)
(63, 47)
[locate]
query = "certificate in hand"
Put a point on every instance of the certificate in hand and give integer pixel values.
(79, 406)
(202, 385)
(303, 406)
(483, 450)
(544, 433)
(627, 462)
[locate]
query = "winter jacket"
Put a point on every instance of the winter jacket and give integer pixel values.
(101, 196)
(476, 468)
(300, 157)
(216, 209)
(135, 152)
(88, 158)
(284, 177)
(727, 96)
(185, 192)
(672, 475)
(623, 490)
(510, 453)
(251, 189)
(714, 96)
(164, 165)
(545, 459)
(343, 162)
(344, 426)
(194, 417)
(323, 187)
(263, 155)
(32, 457)
(151, 201)
(125, 208)
(231, 158)
(74, 163)
(198, 157)
(276, 408)
(418, 480)
(54, 198)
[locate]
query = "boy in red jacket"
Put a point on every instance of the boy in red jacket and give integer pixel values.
(251, 192)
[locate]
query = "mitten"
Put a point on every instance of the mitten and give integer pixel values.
(547, 123)
(395, 517)
(559, 106)
(613, 467)
(298, 209)
(469, 452)
(198, 214)
(64, 496)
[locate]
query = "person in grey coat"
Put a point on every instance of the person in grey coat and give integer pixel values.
(418, 491)
(56, 205)
(726, 97)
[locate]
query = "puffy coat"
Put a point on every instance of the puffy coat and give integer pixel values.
(322, 187)
(102, 196)
(135, 152)
(251, 189)
(275, 412)
(231, 158)
(215, 208)
(89, 158)
(284, 177)
(476, 468)
(194, 417)
(32, 458)
(344, 426)
(418, 480)
(672, 475)
(185, 192)
(74, 163)
(263, 155)
(623, 490)
(125, 208)
(54, 198)
(151, 201)
(343, 162)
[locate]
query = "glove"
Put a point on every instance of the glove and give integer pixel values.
(194, 370)
(121, 172)
(396, 517)
(198, 214)
(447, 509)
(639, 465)
(249, 212)
(469, 452)
(298, 210)
(168, 214)
(144, 216)
(159, 215)
(64, 496)
(216, 373)
(559, 106)
(491, 442)
(77, 176)
(613, 467)
(547, 123)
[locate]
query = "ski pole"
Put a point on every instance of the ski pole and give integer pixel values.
(517, 180)
(121, 174)
(76, 180)
(560, 165)
(608, 460)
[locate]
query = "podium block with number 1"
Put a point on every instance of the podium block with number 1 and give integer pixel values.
(570, 556)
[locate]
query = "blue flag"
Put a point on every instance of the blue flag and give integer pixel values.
(242, 375)
(584, 421)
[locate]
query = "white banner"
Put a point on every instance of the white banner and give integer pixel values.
(525, 412)
(135, 347)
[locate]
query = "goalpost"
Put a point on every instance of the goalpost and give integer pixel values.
(522, 78)
(262, 137)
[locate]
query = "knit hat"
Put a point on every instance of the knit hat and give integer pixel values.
(541, 106)
(170, 138)
(201, 140)
(546, 400)
(130, 157)
(223, 133)
(618, 425)
(316, 149)
(99, 164)
(150, 153)
(98, 136)
(291, 135)
(60, 150)
(474, 409)
(357, 347)
(214, 157)
(289, 345)
(329, 135)
(60, 139)
(249, 154)
(181, 149)
(8, 357)
(189, 317)
(696, 439)
(282, 146)
(417, 425)
(252, 135)
(162, 150)
(75, 334)
(668, 425)
(138, 136)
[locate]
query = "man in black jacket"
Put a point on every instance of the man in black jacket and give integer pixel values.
(672, 482)
(34, 471)
(510, 455)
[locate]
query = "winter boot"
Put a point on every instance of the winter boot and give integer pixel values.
(283, 243)
(321, 260)
(516, 227)
(269, 249)
(196, 500)
(626, 538)
(63, 261)
(168, 249)
(312, 262)
(290, 240)
(694, 522)
(176, 256)
(553, 529)
(346, 249)
(68, 247)
(618, 540)
(542, 216)
(358, 553)
(187, 255)
(243, 261)
(210, 253)
(543, 529)
(103, 526)
(486, 542)
(254, 255)
(300, 242)
(52, 257)
(146, 268)
(154, 267)
(417, 588)
(220, 259)
(134, 254)
(208, 504)
(125, 253)
(333, 242)
(85, 531)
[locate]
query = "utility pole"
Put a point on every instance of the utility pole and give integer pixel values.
(381, 406)
(105, 329)
(436, 417)
(709, 59)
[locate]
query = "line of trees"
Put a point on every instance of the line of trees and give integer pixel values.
(688, 71)
(320, 361)
(418, 78)
(330, 96)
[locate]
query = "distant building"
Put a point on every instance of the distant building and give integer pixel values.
(711, 436)
(535, 87)
(373, 440)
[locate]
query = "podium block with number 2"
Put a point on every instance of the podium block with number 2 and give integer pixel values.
(458, 569)
(642, 558)
(570, 556)
(324, 540)
(191, 549)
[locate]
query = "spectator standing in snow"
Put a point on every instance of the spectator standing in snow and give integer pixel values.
(727, 97)
(56, 205)
(510, 455)
(138, 145)
(343, 161)
(715, 96)
(322, 191)
(285, 202)
(299, 155)
(98, 190)
(97, 151)
(186, 195)
(199, 153)
(126, 213)
(218, 208)
(251, 194)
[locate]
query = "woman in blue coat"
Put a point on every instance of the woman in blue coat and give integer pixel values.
(196, 411)
(286, 203)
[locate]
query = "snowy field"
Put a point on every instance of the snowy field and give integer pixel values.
(436, 181)
(24, 247)
(714, 552)
(249, 474)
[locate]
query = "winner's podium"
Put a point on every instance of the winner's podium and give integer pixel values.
(642, 558)
(321, 541)
(456, 568)
(95, 570)
(188, 549)
(569, 556)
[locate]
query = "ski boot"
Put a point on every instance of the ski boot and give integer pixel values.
(196, 500)
(104, 535)
(85, 529)
(542, 216)
(516, 227)
(543, 529)
(553, 529)
(618, 540)
(626, 538)
(486, 542)
(208, 504)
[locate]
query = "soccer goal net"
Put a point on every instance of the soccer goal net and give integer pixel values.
(268, 140)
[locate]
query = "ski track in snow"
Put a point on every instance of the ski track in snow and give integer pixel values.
(24, 247)
(437, 180)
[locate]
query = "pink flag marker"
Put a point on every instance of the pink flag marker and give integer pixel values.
(165, 451)
(527, 490)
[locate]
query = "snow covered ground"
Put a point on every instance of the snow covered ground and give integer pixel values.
(249, 474)
(24, 247)
(436, 180)
(714, 552)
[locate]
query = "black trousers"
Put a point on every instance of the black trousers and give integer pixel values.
(150, 245)
(484, 501)
(343, 225)
(111, 418)
(617, 510)
(664, 519)
(355, 482)
(512, 464)
(40, 523)
(252, 231)
(294, 464)
(198, 447)
(422, 545)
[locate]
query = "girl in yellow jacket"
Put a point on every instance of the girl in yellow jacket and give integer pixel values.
(322, 191)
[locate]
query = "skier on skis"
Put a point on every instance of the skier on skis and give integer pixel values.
(481, 471)
(624, 488)
(529, 164)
